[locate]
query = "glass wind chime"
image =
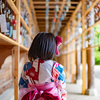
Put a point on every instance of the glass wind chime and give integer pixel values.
(89, 22)
(47, 14)
(97, 12)
(97, 17)
(7, 18)
(23, 39)
(78, 29)
(24, 12)
(66, 9)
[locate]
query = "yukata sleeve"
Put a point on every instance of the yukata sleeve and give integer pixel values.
(59, 76)
(23, 82)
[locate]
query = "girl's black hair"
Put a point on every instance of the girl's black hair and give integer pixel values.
(43, 47)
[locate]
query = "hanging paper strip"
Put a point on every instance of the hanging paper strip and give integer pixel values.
(7, 12)
(3, 23)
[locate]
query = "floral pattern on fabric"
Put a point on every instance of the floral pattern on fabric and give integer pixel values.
(56, 70)
(59, 77)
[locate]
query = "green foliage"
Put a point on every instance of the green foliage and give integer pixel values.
(96, 42)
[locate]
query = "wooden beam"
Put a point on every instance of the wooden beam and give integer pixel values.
(54, 2)
(50, 17)
(68, 55)
(73, 49)
(51, 7)
(78, 7)
(7, 39)
(83, 51)
(50, 14)
(12, 5)
(50, 22)
(16, 53)
(51, 11)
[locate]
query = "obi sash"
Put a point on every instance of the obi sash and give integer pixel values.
(45, 91)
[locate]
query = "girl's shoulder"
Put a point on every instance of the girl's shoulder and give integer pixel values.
(58, 66)
(58, 72)
(27, 66)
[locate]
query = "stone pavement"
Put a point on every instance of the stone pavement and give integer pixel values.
(74, 91)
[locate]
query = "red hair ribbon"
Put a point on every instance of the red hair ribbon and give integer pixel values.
(58, 41)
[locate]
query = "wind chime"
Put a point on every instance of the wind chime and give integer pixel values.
(7, 12)
(89, 19)
(66, 8)
(55, 15)
(47, 14)
(2, 18)
(97, 12)
(11, 18)
(11, 26)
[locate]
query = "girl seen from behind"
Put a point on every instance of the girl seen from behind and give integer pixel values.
(42, 78)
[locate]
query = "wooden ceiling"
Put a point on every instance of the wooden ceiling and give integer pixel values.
(40, 10)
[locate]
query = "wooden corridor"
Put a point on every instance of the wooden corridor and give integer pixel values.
(73, 20)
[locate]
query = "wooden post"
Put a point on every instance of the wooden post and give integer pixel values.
(68, 55)
(73, 50)
(17, 53)
(90, 55)
(91, 60)
(83, 46)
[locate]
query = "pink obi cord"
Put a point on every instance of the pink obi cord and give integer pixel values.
(45, 91)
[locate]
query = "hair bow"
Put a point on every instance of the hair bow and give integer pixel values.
(58, 41)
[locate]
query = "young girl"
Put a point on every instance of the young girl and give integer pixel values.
(42, 78)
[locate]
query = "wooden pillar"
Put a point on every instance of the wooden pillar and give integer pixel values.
(90, 55)
(83, 46)
(17, 53)
(73, 51)
(91, 59)
(68, 54)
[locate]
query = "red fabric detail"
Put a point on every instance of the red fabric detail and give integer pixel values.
(64, 95)
(33, 75)
(55, 73)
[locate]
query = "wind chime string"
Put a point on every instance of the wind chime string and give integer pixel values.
(47, 14)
